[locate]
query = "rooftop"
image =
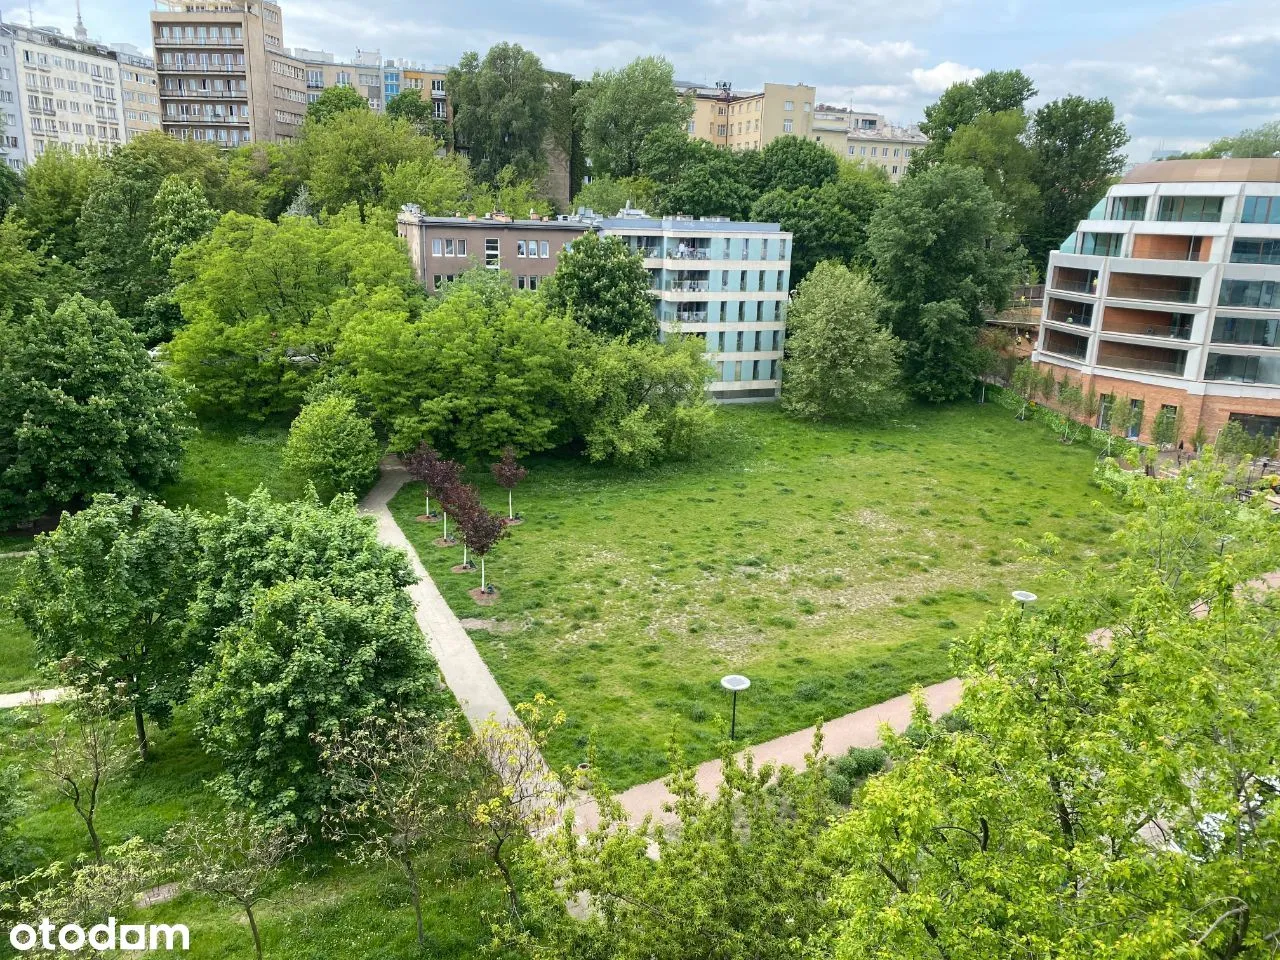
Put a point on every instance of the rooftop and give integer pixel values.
(1243, 170)
(586, 219)
(888, 132)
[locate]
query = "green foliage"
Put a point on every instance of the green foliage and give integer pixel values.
(302, 663)
(106, 596)
(1037, 823)
(82, 411)
(440, 186)
(1077, 144)
(994, 143)
(962, 103)
(264, 305)
(1259, 141)
(25, 272)
(620, 108)
(940, 254)
(841, 363)
(55, 189)
(637, 404)
(607, 196)
(335, 101)
(692, 177)
(501, 115)
(480, 370)
(262, 179)
(10, 189)
(604, 287)
(114, 223)
(413, 106)
(349, 155)
(333, 447)
(790, 162)
(180, 216)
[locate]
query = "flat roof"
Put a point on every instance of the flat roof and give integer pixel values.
(1230, 170)
(575, 225)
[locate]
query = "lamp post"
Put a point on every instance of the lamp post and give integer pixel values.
(1024, 597)
(733, 683)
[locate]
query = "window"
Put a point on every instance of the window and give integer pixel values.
(520, 280)
(544, 248)
(1261, 210)
(1101, 244)
(437, 86)
(449, 248)
(435, 282)
(1256, 331)
(720, 130)
(788, 105)
(1250, 293)
(1194, 209)
(437, 247)
(492, 257)
(782, 251)
(533, 282)
(895, 169)
(1242, 369)
(807, 106)
(462, 247)
(787, 125)
(1248, 250)
(520, 249)
(693, 126)
(1128, 208)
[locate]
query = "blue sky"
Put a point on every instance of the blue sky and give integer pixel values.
(1179, 72)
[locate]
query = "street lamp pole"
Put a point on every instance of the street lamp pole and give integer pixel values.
(734, 683)
(1024, 597)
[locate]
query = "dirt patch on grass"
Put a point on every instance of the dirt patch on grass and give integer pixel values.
(491, 626)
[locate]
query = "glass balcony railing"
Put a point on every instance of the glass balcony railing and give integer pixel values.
(1170, 367)
(689, 286)
(688, 253)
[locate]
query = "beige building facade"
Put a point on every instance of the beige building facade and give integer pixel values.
(224, 74)
(140, 89)
(749, 121)
(867, 138)
(363, 73)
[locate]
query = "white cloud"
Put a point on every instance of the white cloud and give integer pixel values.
(936, 79)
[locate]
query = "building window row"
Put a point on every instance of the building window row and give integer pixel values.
(744, 341)
(737, 371)
(1254, 331)
(1264, 294)
(287, 93)
(528, 282)
(1250, 250)
(1260, 210)
(533, 249)
(201, 34)
(285, 69)
(448, 247)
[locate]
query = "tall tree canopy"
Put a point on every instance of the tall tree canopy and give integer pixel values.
(963, 102)
(619, 108)
(412, 106)
(995, 144)
(501, 116)
(1260, 141)
(789, 162)
(334, 101)
(83, 410)
(940, 253)
(604, 287)
(55, 190)
(348, 157)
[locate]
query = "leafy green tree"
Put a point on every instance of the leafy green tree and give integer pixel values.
(335, 101)
(1260, 141)
(1077, 144)
(604, 287)
(259, 542)
(412, 106)
(994, 143)
(347, 157)
(1113, 795)
(962, 103)
(790, 162)
(264, 304)
(827, 223)
(619, 108)
(56, 188)
(333, 447)
(501, 116)
(163, 156)
(106, 596)
(480, 370)
(440, 186)
(25, 272)
(940, 253)
(303, 663)
(692, 177)
(10, 189)
(606, 195)
(82, 411)
(841, 363)
(509, 193)
(262, 179)
(743, 869)
(637, 404)
(114, 224)
(180, 216)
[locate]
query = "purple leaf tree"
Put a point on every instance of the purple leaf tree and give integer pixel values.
(420, 465)
(481, 530)
(508, 473)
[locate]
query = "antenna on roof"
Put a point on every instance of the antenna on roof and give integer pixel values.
(81, 33)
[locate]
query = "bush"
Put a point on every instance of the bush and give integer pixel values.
(860, 763)
(333, 447)
(840, 788)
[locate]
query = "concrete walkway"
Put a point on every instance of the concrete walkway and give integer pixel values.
(31, 698)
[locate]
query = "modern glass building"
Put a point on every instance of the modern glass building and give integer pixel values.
(723, 281)
(1167, 296)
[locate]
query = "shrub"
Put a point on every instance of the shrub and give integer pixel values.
(333, 447)
(860, 763)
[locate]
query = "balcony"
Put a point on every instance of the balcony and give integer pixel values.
(202, 119)
(1236, 368)
(1247, 331)
(1132, 356)
(685, 316)
(689, 286)
(1147, 323)
(236, 42)
(1138, 286)
(689, 253)
(1075, 280)
(1065, 344)
(205, 94)
(437, 95)
(1068, 311)
(1155, 246)
(200, 68)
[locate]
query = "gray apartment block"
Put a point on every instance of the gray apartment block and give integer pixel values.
(725, 282)
(13, 144)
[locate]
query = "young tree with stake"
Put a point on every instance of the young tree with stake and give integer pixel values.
(481, 530)
(444, 477)
(508, 473)
(420, 465)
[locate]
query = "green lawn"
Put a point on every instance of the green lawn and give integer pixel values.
(17, 650)
(221, 461)
(831, 565)
(322, 907)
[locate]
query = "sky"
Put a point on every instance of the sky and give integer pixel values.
(1180, 73)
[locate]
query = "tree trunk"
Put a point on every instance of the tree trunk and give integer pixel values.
(513, 898)
(464, 552)
(511, 514)
(140, 727)
(253, 928)
(446, 526)
(94, 839)
(415, 893)
(482, 574)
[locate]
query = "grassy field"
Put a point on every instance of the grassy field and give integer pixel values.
(17, 650)
(831, 565)
(322, 907)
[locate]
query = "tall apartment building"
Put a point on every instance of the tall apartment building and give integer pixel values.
(13, 143)
(140, 90)
(749, 121)
(68, 90)
(225, 76)
(429, 81)
(725, 282)
(867, 138)
(1168, 296)
(323, 70)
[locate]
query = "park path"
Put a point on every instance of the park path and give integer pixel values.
(31, 698)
